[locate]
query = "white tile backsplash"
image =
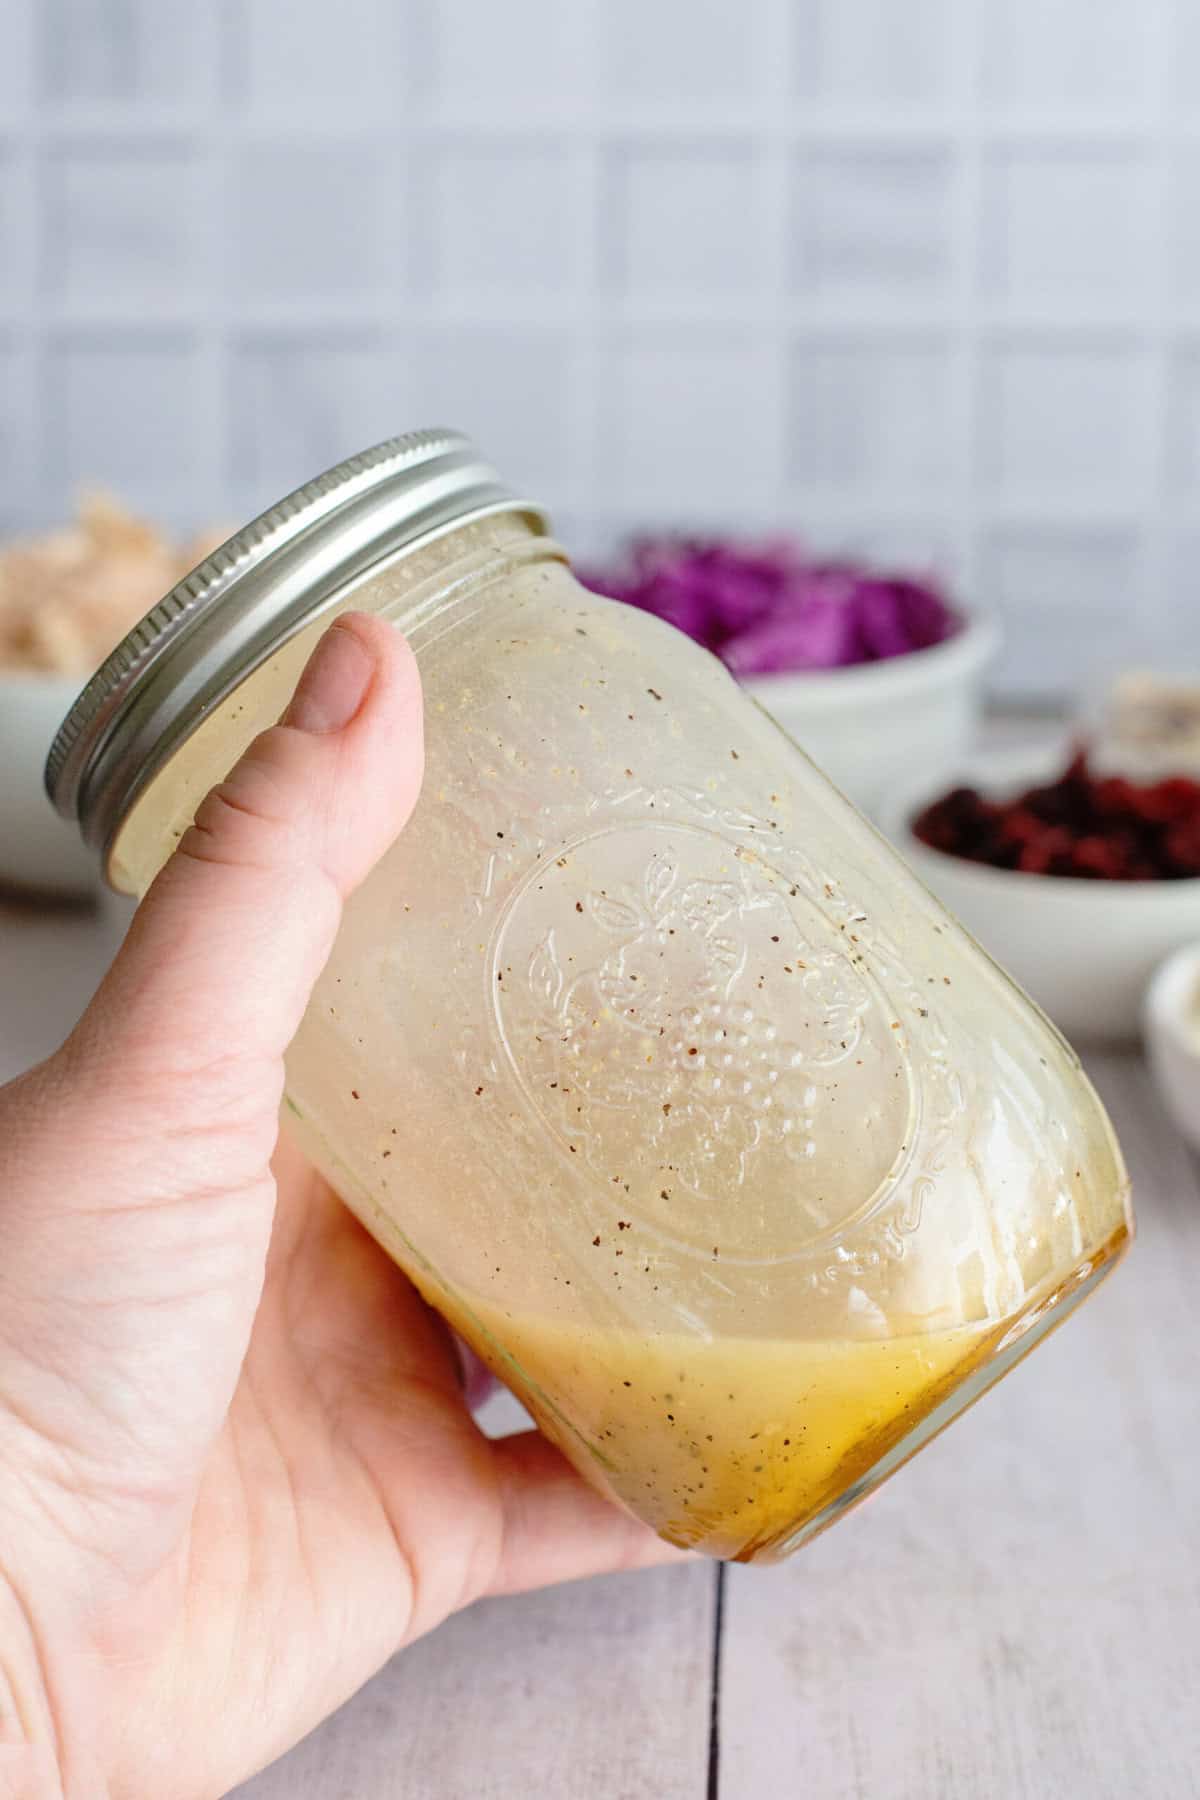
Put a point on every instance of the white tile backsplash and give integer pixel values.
(500, 222)
(1183, 439)
(1064, 423)
(686, 222)
(314, 224)
(923, 545)
(681, 50)
(874, 53)
(11, 422)
(14, 266)
(921, 280)
(512, 60)
(686, 422)
(510, 388)
(109, 52)
(1043, 582)
(348, 58)
(1178, 633)
(873, 224)
(1069, 230)
(95, 435)
(121, 229)
(870, 420)
(1185, 57)
(1183, 227)
(288, 392)
(16, 64)
(1086, 54)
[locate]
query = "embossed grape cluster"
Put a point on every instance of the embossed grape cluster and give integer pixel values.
(732, 1054)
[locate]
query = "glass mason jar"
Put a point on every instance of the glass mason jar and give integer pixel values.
(645, 1057)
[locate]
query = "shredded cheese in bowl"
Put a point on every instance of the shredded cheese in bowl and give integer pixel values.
(68, 596)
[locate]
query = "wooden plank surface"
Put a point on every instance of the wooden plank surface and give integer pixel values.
(598, 1690)
(1017, 1615)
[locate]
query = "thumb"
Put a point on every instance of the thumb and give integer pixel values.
(220, 960)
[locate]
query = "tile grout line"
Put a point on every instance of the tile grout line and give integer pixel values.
(591, 173)
(714, 1717)
(821, 128)
(213, 334)
(1159, 520)
(966, 347)
(776, 174)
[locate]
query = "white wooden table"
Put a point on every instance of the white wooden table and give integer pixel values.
(1015, 1617)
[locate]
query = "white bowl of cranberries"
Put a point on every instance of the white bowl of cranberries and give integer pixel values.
(1079, 880)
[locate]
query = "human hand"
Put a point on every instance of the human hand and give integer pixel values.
(238, 1466)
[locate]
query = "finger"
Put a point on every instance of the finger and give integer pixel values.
(223, 953)
(136, 1163)
(557, 1528)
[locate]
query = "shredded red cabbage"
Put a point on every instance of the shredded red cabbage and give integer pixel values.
(768, 609)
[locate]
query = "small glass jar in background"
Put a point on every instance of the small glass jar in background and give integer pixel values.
(1145, 722)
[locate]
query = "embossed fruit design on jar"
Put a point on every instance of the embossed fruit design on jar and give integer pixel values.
(645, 1057)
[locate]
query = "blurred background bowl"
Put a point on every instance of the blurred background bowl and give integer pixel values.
(39, 852)
(1172, 1030)
(1084, 950)
(884, 723)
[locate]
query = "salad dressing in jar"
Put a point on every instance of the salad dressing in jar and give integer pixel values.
(644, 1056)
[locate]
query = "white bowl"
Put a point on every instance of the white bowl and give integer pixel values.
(39, 852)
(879, 723)
(1084, 950)
(1172, 1027)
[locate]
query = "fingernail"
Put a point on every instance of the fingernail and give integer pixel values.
(334, 683)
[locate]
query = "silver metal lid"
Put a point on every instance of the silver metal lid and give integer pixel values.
(248, 598)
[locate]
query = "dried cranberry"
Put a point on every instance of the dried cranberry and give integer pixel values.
(1095, 828)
